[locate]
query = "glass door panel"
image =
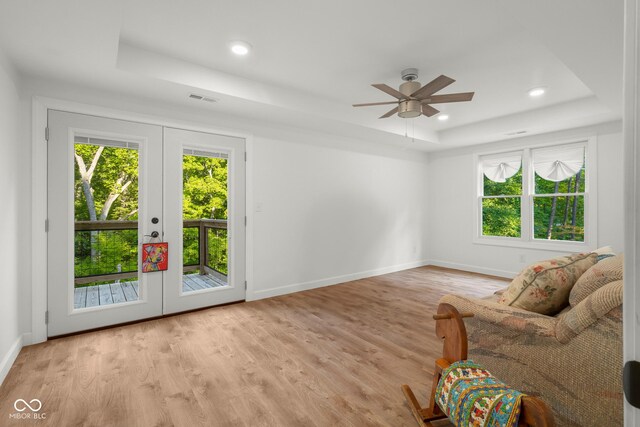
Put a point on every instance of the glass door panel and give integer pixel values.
(105, 222)
(204, 220)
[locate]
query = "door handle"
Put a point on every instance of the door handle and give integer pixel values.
(631, 382)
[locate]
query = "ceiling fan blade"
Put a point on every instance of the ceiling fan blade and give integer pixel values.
(428, 110)
(451, 97)
(432, 87)
(390, 113)
(375, 103)
(391, 91)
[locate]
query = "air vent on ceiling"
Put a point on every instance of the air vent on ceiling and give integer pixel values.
(202, 98)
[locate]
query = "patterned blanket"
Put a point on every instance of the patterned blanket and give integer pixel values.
(471, 396)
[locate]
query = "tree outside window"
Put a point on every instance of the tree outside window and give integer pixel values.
(558, 202)
(502, 195)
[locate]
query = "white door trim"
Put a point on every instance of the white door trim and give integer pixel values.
(631, 121)
(40, 105)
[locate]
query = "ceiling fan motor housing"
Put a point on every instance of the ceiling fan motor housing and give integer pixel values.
(409, 108)
(407, 88)
(409, 74)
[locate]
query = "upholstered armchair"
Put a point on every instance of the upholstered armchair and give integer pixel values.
(572, 360)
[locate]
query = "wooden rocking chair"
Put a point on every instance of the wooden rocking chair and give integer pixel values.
(450, 327)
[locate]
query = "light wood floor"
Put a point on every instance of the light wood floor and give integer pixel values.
(334, 356)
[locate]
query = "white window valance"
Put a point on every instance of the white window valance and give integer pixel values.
(558, 163)
(500, 168)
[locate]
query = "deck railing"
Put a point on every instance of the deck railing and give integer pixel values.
(108, 250)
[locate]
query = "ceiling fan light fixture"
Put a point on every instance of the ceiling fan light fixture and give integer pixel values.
(537, 91)
(409, 109)
(443, 117)
(414, 99)
(240, 48)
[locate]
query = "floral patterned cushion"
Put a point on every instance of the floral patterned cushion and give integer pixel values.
(544, 287)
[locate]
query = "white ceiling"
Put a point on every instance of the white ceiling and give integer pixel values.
(312, 60)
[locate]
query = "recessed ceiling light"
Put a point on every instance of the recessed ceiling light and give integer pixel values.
(443, 117)
(240, 48)
(537, 91)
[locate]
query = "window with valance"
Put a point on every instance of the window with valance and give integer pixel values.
(534, 194)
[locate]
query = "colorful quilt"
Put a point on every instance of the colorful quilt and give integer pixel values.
(471, 396)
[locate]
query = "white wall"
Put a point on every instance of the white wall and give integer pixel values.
(330, 215)
(333, 208)
(451, 189)
(11, 221)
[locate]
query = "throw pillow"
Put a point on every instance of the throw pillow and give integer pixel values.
(544, 286)
(606, 271)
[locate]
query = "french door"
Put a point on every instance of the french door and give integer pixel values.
(142, 221)
(208, 225)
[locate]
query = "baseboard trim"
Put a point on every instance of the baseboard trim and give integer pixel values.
(305, 286)
(473, 268)
(10, 357)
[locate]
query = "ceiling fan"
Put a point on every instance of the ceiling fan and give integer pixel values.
(414, 100)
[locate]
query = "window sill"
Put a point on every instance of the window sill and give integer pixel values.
(540, 245)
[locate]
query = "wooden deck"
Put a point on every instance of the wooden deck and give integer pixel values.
(114, 293)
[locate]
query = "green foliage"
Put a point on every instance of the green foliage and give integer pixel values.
(100, 252)
(511, 187)
(559, 217)
(190, 246)
(205, 187)
(554, 217)
(205, 196)
(567, 186)
(111, 248)
(115, 164)
(501, 217)
(562, 227)
(217, 248)
(218, 243)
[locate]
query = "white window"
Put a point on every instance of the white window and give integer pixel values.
(539, 197)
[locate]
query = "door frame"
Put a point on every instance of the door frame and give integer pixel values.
(39, 107)
(631, 121)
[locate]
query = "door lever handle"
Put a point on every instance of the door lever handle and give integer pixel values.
(631, 382)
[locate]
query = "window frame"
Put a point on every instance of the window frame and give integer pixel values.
(526, 239)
